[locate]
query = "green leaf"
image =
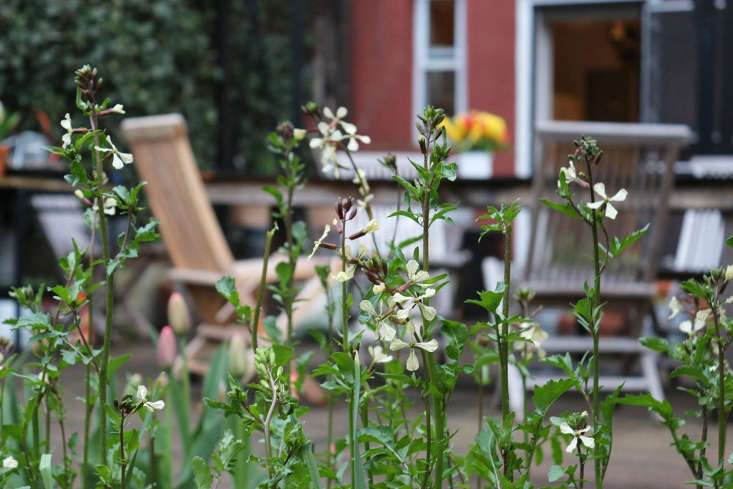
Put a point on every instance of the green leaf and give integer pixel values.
(273, 332)
(489, 299)
(555, 474)
(228, 289)
(654, 343)
(545, 395)
(618, 246)
(566, 209)
(729, 242)
(306, 454)
(202, 474)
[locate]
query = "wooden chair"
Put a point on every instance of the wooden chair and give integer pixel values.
(193, 237)
(639, 158)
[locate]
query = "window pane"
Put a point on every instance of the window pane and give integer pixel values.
(442, 13)
(441, 90)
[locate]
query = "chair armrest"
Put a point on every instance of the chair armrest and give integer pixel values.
(194, 277)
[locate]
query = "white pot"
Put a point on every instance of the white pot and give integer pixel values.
(475, 165)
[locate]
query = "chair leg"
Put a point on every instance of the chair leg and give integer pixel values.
(650, 370)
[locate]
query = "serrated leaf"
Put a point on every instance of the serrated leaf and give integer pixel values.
(566, 209)
(545, 395)
(201, 473)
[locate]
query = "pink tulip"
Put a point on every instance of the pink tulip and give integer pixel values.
(167, 348)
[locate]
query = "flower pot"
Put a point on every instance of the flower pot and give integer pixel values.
(475, 165)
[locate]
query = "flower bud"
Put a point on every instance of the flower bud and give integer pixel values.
(423, 146)
(178, 316)
(241, 358)
(299, 134)
(167, 349)
(161, 381)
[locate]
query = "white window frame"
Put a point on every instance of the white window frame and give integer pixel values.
(424, 63)
(533, 85)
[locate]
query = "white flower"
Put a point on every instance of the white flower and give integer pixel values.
(10, 463)
(379, 288)
(675, 307)
(729, 273)
(343, 276)
(700, 318)
(570, 174)
(109, 206)
(327, 144)
(600, 190)
(118, 109)
(299, 134)
(385, 331)
(577, 435)
(66, 124)
(319, 241)
(354, 138)
(119, 159)
(412, 361)
(372, 225)
(337, 119)
(535, 336)
(414, 274)
(142, 395)
(378, 356)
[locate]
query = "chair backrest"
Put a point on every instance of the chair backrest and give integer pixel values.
(163, 158)
(637, 157)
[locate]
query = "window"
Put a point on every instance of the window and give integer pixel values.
(439, 76)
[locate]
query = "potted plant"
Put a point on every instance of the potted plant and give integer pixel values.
(7, 124)
(476, 135)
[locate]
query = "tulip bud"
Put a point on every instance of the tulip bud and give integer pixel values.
(241, 358)
(167, 349)
(178, 316)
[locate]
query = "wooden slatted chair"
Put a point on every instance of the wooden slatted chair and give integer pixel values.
(193, 237)
(639, 158)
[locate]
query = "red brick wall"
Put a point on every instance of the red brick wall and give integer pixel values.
(490, 41)
(381, 72)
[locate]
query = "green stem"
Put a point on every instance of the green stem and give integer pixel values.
(365, 422)
(123, 462)
(426, 358)
(290, 296)
(329, 351)
(595, 329)
(504, 344)
(722, 415)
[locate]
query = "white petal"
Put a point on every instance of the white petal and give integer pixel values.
(565, 428)
(595, 205)
(118, 109)
(430, 346)
(341, 112)
(142, 392)
(675, 307)
(368, 307)
(620, 196)
(600, 189)
(127, 158)
(428, 312)
(364, 139)
(66, 140)
(117, 162)
(316, 143)
(349, 128)
(700, 318)
(328, 113)
(588, 441)
(386, 332)
(412, 267)
(412, 363)
(397, 344)
(66, 122)
(572, 445)
(353, 145)
(686, 327)
(324, 128)
(152, 406)
(611, 211)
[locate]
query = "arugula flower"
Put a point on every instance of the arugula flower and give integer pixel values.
(119, 159)
(413, 342)
(600, 190)
(66, 124)
(142, 395)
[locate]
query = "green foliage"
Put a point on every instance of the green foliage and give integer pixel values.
(171, 46)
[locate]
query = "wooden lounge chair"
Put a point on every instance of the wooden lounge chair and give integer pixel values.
(640, 158)
(193, 237)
